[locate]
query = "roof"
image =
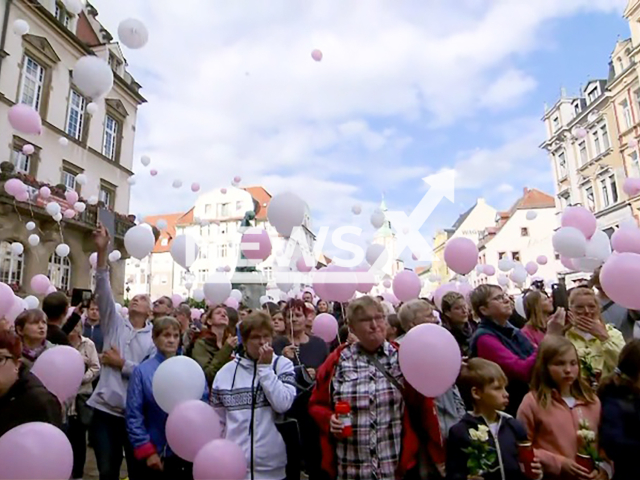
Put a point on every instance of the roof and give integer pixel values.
(461, 219)
(423, 270)
(186, 218)
(169, 233)
(261, 200)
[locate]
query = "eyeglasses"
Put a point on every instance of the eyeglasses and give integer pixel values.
(4, 359)
(375, 318)
(502, 297)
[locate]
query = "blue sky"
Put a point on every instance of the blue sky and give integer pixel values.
(402, 92)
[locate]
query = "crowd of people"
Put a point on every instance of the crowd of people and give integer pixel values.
(343, 410)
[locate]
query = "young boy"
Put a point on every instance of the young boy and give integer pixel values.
(487, 383)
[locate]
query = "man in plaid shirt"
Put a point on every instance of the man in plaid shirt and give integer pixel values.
(389, 417)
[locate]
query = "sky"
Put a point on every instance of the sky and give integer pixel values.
(404, 90)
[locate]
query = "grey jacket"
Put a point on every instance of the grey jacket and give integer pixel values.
(450, 407)
(134, 345)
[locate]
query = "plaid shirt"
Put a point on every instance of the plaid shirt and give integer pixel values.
(377, 409)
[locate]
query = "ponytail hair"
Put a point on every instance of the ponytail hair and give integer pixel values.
(627, 374)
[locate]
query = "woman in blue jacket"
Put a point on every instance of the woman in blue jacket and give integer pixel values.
(146, 420)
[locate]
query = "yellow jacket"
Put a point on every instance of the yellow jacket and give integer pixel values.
(603, 356)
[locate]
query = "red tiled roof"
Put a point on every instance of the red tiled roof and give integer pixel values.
(186, 219)
(169, 233)
(261, 199)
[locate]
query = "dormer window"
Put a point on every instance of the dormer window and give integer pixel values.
(61, 13)
(576, 107)
(556, 123)
(115, 63)
(593, 94)
(620, 65)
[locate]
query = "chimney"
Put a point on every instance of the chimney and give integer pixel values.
(480, 201)
(525, 190)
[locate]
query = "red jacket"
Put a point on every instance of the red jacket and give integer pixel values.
(420, 413)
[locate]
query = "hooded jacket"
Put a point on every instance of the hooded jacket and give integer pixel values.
(250, 398)
(210, 357)
(144, 418)
(506, 467)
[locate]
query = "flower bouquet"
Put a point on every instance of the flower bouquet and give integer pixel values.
(588, 456)
(482, 456)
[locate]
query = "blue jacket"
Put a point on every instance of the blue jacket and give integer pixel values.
(145, 419)
(94, 333)
(620, 429)
(510, 432)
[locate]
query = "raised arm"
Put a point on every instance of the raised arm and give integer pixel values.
(109, 318)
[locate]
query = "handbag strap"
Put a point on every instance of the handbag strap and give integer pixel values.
(376, 363)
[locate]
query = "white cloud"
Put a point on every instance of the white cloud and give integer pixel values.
(233, 91)
(504, 188)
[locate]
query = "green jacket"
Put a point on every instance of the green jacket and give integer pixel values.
(210, 357)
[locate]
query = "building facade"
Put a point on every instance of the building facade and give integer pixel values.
(35, 70)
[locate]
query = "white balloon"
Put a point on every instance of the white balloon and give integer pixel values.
(570, 242)
(531, 215)
(53, 208)
(598, 246)
(177, 380)
(81, 179)
(93, 259)
(73, 6)
(80, 207)
(373, 253)
(433, 277)
(177, 183)
(479, 268)
(93, 200)
(133, 33)
(505, 264)
(147, 226)
(93, 76)
(115, 256)
(145, 160)
(31, 226)
(503, 281)
(184, 250)
(92, 108)
(286, 211)
(118, 308)
(519, 275)
(17, 248)
(20, 27)
(139, 241)
(32, 302)
(63, 142)
(237, 294)
(356, 209)
(377, 218)
(131, 180)
(161, 224)
(217, 288)
(34, 240)
(586, 264)
(519, 304)
(63, 250)
(16, 309)
(198, 295)
(57, 217)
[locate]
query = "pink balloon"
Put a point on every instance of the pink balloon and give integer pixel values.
(465, 289)
(366, 280)
(60, 359)
(626, 239)
(14, 186)
(232, 303)
(51, 289)
(22, 196)
(531, 268)
(618, 278)
(461, 255)
(255, 244)
(40, 284)
(35, 450)
(45, 193)
(301, 266)
(69, 213)
(6, 298)
(28, 149)
(430, 359)
(25, 119)
(124, 312)
(442, 290)
(325, 326)
(72, 197)
(386, 283)
(153, 172)
(237, 179)
(196, 314)
(319, 278)
(631, 186)
(489, 270)
(340, 284)
(542, 260)
(190, 426)
(223, 190)
(176, 298)
(195, 187)
(567, 263)
(316, 55)
(391, 298)
(220, 460)
(406, 285)
(581, 218)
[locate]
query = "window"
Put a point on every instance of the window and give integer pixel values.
(20, 161)
(110, 137)
(562, 165)
(62, 14)
(223, 250)
(626, 111)
(69, 179)
(614, 188)
(207, 209)
(75, 115)
(584, 157)
(606, 200)
(204, 253)
(604, 133)
(593, 94)
(515, 256)
(576, 108)
(635, 166)
(501, 255)
(114, 62)
(60, 272)
(223, 209)
(11, 265)
(620, 65)
(557, 256)
(164, 242)
(107, 195)
(565, 200)
(637, 94)
(268, 271)
(609, 190)
(589, 198)
(556, 124)
(32, 83)
(524, 232)
(596, 142)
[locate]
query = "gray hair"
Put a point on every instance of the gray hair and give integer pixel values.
(164, 323)
(409, 312)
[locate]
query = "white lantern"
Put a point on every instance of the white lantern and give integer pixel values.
(34, 240)
(93, 76)
(63, 250)
(20, 27)
(133, 33)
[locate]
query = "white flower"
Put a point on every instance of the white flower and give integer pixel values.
(481, 434)
(587, 435)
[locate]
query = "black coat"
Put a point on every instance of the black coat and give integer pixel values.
(510, 433)
(28, 401)
(620, 430)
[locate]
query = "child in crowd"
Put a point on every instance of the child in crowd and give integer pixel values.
(559, 404)
(487, 384)
(620, 427)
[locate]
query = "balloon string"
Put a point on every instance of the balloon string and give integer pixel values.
(15, 206)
